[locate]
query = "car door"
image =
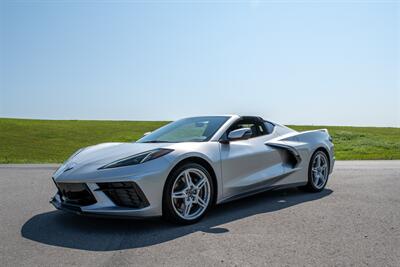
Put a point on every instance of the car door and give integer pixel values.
(248, 165)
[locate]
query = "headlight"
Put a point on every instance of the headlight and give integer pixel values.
(138, 158)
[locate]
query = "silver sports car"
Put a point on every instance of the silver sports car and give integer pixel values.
(182, 169)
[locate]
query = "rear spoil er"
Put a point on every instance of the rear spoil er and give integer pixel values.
(292, 151)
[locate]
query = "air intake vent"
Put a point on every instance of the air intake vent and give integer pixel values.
(125, 194)
(75, 193)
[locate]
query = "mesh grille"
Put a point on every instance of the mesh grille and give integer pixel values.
(75, 193)
(125, 194)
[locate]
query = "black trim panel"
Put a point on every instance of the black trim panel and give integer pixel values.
(124, 194)
(263, 189)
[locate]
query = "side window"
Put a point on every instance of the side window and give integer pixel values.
(269, 127)
(256, 127)
(261, 129)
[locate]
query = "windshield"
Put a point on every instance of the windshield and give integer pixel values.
(197, 129)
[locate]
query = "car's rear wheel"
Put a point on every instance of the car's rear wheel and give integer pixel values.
(318, 172)
(188, 194)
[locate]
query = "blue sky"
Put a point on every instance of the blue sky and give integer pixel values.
(331, 63)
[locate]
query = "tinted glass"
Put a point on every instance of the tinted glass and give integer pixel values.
(269, 126)
(254, 125)
(197, 129)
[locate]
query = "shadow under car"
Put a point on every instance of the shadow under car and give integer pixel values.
(62, 229)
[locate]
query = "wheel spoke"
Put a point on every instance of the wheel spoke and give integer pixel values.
(201, 202)
(318, 161)
(180, 194)
(188, 179)
(188, 207)
(323, 178)
(201, 183)
(316, 179)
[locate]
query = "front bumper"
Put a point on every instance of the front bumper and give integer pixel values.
(149, 179)
(102, 210)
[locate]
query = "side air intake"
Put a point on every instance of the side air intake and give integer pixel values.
(294, 158)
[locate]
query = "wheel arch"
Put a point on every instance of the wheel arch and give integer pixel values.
(204, 163)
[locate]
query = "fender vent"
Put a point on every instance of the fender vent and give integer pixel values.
(293, 157)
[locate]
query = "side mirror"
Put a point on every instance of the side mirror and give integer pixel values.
(239, 134)
(146, 133)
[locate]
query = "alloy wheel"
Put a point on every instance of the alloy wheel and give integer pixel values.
(319, 170)
(190, 194)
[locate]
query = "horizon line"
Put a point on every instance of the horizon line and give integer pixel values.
(125, 120)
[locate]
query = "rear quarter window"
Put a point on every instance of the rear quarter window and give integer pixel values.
(269, 126)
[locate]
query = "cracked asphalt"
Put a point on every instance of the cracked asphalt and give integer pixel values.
(355, 221)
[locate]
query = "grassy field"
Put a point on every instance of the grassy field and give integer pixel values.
(362, 142)
(48, 141)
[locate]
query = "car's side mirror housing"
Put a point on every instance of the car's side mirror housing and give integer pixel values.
(239, 134)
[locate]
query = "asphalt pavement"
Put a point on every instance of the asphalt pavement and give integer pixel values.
(355, 221)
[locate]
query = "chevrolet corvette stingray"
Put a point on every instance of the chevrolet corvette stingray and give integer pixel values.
(182, 169)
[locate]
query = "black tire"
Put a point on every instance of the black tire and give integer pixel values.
(169, 212)
(310, 186)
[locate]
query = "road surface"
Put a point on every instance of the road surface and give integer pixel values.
(355, 221)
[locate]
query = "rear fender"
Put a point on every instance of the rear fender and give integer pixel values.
(300, 146)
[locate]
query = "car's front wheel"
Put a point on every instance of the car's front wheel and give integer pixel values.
(188, 194)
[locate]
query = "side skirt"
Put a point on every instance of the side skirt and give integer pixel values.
(260, 190)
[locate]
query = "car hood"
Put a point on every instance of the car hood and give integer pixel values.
(94, 157)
